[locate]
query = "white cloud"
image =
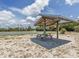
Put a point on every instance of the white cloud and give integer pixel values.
(6, 15)
(9, 19)
(33, 18)
(27, 21)
(71, 16)
(34, 8)
(78, 17)
(71, 2)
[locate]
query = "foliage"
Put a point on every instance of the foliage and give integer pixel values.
(39, 28)
(29, 28)
(76, 28)
(69, 26)
(72, 26)
(62, 31)
(13, 29)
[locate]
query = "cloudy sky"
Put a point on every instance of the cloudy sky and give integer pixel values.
(26, 12)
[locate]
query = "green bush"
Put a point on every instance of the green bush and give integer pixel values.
(62, 31)
(29, 28)
(39, 28)
(69, 26)
(76, 28)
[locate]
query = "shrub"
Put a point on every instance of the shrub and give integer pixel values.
(39, 28)
(69, 26)
(29, 28)
(76, 28)
(62, 31)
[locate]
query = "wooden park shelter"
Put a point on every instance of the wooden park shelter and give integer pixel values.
(48, 20)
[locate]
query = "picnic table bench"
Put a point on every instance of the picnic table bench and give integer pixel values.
(42, 36)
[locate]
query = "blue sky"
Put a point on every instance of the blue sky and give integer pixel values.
(61, 8)
(22, 10)
(57, 6)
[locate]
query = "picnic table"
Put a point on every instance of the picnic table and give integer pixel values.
(44, 36)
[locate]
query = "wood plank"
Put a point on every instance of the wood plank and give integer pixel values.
(57, 29)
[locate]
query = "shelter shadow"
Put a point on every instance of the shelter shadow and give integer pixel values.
(50, 43)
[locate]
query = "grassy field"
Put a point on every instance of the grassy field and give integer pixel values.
(24, 32)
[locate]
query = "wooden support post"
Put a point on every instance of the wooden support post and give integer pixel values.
(44, 27)
(57, 30)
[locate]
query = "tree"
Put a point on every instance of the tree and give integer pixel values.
(76, 28)
(29, 28)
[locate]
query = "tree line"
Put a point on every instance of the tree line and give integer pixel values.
(29, 28)
(72, 26)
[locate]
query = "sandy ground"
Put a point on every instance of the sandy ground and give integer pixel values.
(24, 46)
